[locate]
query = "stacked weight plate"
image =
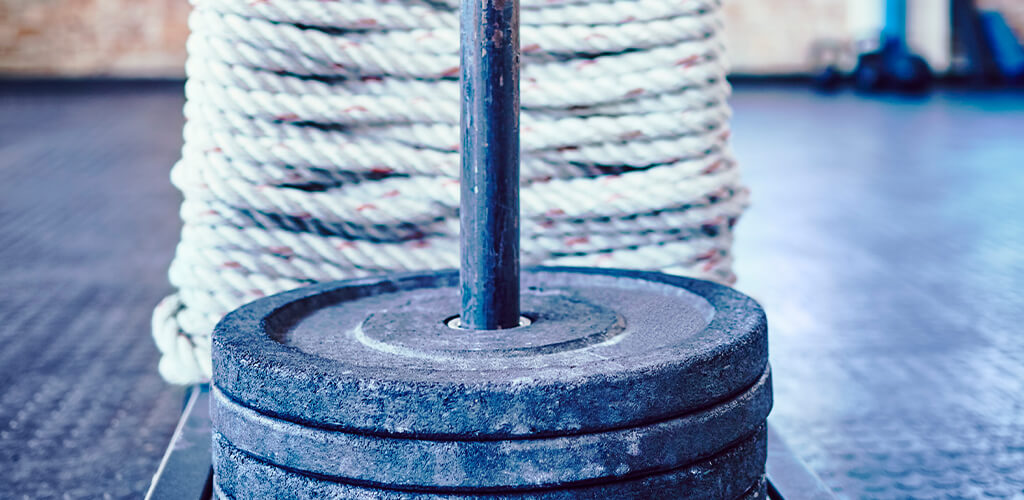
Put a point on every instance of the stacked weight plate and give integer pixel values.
(618, 384)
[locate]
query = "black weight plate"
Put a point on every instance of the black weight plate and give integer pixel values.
(549, 461)
(607, 349)
(727, 475)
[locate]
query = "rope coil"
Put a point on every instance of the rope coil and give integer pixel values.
(321, 143)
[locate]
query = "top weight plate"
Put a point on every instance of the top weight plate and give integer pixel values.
(605, 349)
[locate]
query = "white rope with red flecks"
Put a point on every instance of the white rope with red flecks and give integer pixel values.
(322, 144)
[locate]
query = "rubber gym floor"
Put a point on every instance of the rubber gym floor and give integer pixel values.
(885, 240)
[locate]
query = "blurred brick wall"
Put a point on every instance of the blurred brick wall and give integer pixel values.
(775, 36)
(146, 38)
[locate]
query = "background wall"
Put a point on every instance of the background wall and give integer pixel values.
(146, 38)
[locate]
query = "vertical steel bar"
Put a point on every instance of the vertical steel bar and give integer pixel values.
(895, 29)
(489, 215)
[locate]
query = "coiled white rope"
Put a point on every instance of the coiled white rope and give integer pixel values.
(322, 144)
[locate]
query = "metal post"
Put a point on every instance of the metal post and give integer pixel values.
(895, 29)
(489, 216)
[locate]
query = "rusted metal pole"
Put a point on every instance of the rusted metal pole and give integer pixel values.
(489, 216)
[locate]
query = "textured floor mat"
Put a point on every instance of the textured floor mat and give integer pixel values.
(89, 222)
(884, 241)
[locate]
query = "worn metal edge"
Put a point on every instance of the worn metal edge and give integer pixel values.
(788, 477)
(186, 470)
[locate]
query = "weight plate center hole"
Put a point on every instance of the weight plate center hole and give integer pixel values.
(455, 322)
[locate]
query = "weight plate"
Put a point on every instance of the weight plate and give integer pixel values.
(759, 491)
(606, 349)
(545, 461)
(727, 475)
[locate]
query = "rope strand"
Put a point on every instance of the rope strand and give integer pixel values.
(321, 143)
